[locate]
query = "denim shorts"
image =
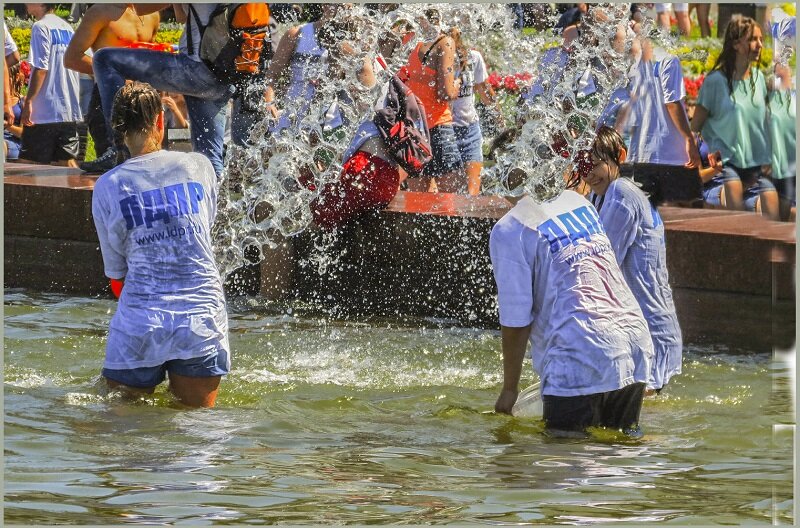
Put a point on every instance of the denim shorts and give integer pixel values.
(470, 142)
(753, 184)
(215, 363)
(14, 146)
(445, 152)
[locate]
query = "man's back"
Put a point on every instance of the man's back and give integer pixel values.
(57, 101)
(555, 268)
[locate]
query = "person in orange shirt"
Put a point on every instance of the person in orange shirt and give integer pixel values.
(430, 74)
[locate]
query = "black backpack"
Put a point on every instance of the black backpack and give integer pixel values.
(235, 44)
(404, 128)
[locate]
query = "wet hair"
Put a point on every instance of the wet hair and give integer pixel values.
(136, 109)
(16, 78)
(462, 53)
(607, 145)
(738, 28)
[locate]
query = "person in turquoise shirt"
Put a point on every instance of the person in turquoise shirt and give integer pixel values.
(732, 117)
(783, 133)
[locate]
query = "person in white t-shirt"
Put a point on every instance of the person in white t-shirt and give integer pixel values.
(10, 47)
(52, 111)
(559, 286)
(663, 149)
(471, 69)
(153, 215)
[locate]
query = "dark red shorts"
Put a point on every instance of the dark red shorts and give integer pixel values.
(367, 183)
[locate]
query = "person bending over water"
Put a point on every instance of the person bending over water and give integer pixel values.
(636, 231)
(153, 215)
(559, 287)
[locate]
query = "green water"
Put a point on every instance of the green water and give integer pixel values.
(332, 422)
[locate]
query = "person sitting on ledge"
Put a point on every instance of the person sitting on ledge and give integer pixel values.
(559, 286)
(732, 116)
(153, 215)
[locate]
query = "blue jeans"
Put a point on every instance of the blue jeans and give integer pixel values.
(206, 98)
(753, 184)
(470, 142)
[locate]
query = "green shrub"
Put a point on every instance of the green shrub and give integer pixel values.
(22, 36)
(168, 35)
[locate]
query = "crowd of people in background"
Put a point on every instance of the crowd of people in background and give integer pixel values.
(749, 166)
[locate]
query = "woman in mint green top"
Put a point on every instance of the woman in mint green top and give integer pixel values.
(783, 130)
(732, 117)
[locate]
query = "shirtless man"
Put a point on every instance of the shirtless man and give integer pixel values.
(105, 26)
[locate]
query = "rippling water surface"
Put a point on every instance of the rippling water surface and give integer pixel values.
(330, 422)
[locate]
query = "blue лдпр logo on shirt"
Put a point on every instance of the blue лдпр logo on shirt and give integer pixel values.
(571, 227)
(60, 37)
(161, 204)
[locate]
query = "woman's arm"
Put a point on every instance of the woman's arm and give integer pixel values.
(678, 117)
(699, 119)
(446, 82)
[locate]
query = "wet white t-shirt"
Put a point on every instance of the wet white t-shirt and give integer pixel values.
(555, 268)
(58, 100)
(636, 232)
(153, 216)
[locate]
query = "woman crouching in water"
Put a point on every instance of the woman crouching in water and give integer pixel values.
(636, 232)
(153, 216)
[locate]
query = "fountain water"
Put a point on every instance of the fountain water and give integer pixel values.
(269, 186)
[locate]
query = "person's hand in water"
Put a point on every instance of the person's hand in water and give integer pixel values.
(506, 400)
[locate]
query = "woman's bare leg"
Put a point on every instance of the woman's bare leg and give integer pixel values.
(474, 177)
(195, 392)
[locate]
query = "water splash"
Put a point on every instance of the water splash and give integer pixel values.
(268, 187)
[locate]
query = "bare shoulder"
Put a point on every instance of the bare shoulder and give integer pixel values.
(446, 42)
(104, 13)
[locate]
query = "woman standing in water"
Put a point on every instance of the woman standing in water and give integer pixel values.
(153, 216)
(636, 232)
(731, 116)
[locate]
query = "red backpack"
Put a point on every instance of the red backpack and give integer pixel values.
(404, 128)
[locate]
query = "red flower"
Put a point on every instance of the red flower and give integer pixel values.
(494, 80)
(693, 86)
(25, 69)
